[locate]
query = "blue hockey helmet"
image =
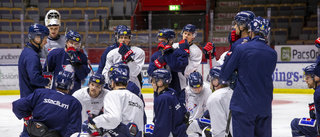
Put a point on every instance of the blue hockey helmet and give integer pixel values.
(119, 73)
(118, 28)
(166, 33)
(38, 30)
(73, 35)
(309, 70)
(195, 80)
(190, 28)
(64, 80)
(214, 73)
(124, 31)
(97, 78)
(244, 18)
(260, 25)
(162, 74)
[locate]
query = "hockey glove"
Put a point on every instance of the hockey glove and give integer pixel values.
(186, 118)
(183, 44)
(165, 47)
(92, 128)
(27, 120)
(126, 53)
(74, 58)
(312, 111)
(317, 42)
(209, 48)
(233, 37)
(160, 62)
(233, 80)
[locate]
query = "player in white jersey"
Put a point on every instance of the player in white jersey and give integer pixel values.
(53, 22)
(91, 98)
(197, 94)
(195, 55)
(133, 56)
(122, 108)
(218, 103)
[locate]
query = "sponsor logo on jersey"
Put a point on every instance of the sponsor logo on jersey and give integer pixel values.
(56, 102)
(177, 106)
(135, 104)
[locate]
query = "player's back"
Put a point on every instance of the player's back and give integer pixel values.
(175, 118)
(255, 70)
(57, 110)
(130, 105)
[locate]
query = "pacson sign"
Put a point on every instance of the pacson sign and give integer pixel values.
(298, 53)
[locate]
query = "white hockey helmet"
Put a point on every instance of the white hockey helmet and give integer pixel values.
(52, 18)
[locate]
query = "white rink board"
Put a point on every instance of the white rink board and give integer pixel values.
(9, 79)
(289, 76)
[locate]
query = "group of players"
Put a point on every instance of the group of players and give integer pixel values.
(53, 103)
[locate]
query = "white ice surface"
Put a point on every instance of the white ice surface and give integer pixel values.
(285, 107)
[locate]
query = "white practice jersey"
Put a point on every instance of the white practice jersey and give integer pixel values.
(222, 57)
(194, 61)
(218, 106)
(196, 103)
(89, 104)
(121, 106)
(135, 66)
(52, 44)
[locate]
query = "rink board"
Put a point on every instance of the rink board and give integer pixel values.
(287, 78)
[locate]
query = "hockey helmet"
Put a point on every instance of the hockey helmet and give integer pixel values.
(52, 18)
(64, 80)
(162, 74)
(119, 73)
(37, 30)
(124, 31)
(214, 73)
(73, 35)
(195, 80)
(244, 18)
(309, 70)
(260, 25)
(97, 78)
(190, 28)
(166, 33)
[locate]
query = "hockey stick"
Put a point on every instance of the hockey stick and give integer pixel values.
(228, 134)
(89, 64)
(210, 60)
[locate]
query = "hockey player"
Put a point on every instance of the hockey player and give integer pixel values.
(197, 94)
(195, 55)
(91, 98)
(69, 58)
(109, 48)
(133, 56)
(301, 127)
(169, 113)
(218, 103)
(48, 112)
(173, 60)
(237, 36)
(52, 20)
(29, 66)
(255, 62)
(121, 107)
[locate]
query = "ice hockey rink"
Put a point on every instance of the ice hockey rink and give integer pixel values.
(285, 107)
